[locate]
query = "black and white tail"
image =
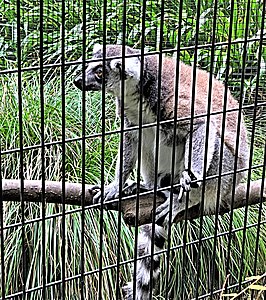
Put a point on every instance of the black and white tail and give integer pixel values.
(143, 274)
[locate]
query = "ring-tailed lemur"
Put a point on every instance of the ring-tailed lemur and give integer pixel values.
(149, 87)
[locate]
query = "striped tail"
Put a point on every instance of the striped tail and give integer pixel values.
(143, 274)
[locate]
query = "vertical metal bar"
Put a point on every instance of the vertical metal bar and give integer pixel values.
(121, 158)
(193, 96)
(142, 65)
(2, 234)
(253, 126)
(102, 154)
(83, 149)
(234, 177)
(252, 138)
(2, 239)
(157, 139)
(207, 131)
(184, 241)
(206, 144)
(42, 153)
(173, 157)
(21, 153)
(238, 141)
(63, 129)
(222, 145)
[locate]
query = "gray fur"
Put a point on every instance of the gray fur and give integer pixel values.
(132, 97)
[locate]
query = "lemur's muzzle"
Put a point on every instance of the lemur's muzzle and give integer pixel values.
(87, 87)
(78, 82)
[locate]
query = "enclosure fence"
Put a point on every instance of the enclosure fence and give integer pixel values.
(59, 142)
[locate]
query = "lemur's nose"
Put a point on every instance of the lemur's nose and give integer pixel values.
(78, 82)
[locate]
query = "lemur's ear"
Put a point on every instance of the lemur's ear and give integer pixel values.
(132, 66)
(96, 48)
(116, 64)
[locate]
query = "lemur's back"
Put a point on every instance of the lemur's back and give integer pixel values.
(201, 105)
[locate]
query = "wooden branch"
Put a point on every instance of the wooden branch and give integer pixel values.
(32, 192)
(11, 191)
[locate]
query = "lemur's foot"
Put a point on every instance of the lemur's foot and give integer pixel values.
(163, 211)
(162, 216)
(131, 188)
(111, 192)
(128, 291)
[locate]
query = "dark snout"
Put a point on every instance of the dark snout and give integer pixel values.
(87, 85)
(78, 82)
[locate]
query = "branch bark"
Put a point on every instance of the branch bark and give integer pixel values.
(32, 192)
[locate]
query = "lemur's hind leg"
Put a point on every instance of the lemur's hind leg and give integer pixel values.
(143, 278)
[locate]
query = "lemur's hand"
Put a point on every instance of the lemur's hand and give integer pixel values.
(186, 183)
(111, 192)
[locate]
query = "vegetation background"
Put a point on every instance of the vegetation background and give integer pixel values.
(42, 105)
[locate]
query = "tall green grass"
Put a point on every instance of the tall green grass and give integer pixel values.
(181, 263)
(9, 119)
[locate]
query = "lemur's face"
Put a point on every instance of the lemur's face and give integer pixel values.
(111, 74)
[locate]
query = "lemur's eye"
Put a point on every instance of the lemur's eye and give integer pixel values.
(99, 73)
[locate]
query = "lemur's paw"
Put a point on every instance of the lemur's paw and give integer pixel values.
(111, 192)
(131, 188)
(187, 180)
(186, 183)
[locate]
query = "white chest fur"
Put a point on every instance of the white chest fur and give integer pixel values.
(153, 154)
(158, 153)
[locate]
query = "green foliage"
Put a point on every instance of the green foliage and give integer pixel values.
(31, 128)
(87, 18)
(74, 35)
(212, 260)
(52, 232)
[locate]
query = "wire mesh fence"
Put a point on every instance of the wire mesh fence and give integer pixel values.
(53, 134)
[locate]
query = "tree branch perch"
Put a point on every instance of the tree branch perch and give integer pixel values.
(32, 192)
